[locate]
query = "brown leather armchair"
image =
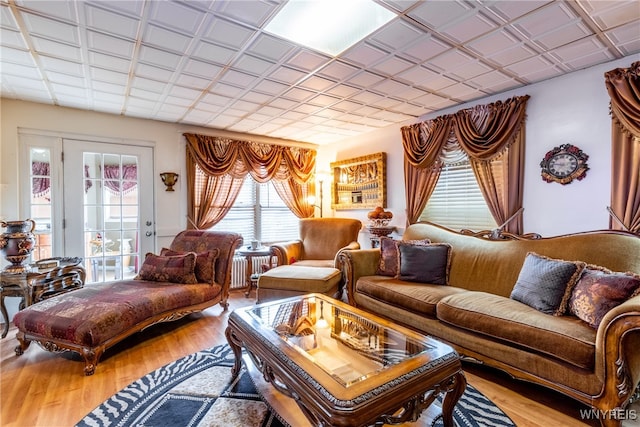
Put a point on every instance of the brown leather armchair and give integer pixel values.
(321, 239)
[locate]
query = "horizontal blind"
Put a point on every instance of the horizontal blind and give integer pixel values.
(278, 223)
(457, 202)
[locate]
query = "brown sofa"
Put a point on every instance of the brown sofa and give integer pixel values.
(94, 318)
(476, 314)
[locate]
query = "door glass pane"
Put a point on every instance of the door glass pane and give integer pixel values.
(111, 217)
(40, 206)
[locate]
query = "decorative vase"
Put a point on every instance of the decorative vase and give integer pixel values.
(17, 243)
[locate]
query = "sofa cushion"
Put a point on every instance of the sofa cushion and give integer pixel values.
(599, 290)
(205, 263)
(424, 263)
(174, 269)
(420, 298)
(302, 278)
(388, 265)
(500, 318)
(545, 283)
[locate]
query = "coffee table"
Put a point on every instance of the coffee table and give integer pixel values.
(344, 366)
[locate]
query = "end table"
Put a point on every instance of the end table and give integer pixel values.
(249, 254)
(37, 285)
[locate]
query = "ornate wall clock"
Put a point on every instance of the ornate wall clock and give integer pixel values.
(563, 164)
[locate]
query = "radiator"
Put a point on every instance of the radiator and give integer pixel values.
(239, 269)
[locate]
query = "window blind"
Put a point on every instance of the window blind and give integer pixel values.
(457, 202)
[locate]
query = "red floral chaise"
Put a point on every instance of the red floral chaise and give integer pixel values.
(194, 273)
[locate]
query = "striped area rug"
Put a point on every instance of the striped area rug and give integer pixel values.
(197, 391)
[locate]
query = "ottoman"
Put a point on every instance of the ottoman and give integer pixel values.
(290, 280)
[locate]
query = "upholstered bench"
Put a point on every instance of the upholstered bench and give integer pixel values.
(190, 276)
(291, 280)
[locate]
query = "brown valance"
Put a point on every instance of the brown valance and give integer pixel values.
(220, 156)
(484, 133)
(216, 168)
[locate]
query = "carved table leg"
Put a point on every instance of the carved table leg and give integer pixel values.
(5, 316)
(454, 392)
(236, 347)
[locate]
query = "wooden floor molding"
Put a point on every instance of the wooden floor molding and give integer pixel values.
(43, 389)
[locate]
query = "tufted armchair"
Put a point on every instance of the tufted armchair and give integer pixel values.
(321, 239)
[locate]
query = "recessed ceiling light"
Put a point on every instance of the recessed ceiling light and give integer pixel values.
(330, 26)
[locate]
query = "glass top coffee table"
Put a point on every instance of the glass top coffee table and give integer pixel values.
(344, 366)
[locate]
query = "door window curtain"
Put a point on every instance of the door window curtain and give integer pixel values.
(485, 133)
(216, 168)
(623, 85)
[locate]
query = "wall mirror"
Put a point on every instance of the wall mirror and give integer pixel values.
(359, 183)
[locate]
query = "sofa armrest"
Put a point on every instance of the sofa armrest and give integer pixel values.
(355, 264)
(284, 251)
(617, 355)
(337, 261)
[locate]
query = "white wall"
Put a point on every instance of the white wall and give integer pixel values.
(573, 108)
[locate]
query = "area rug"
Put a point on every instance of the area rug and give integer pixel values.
(197, 391)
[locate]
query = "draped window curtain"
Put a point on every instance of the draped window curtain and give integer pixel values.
(217, 167)
(492, 136)
(623, 85)
(42, 186)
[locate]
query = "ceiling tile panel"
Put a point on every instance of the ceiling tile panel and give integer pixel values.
(511, 10)
(497, 41)
(109, 76)
(307, 60)
(270, 87)
(159, 58)
(317, 83)
(184, 92)
(563, 35)
(17, 56)
(450, 60)
(55, 64)
(256, 15)
(343, 91)
(610, 14)
(470, 27)
(392, 66)
(110, 88)
(145, 94)
(287, 75)
(12, 69)
(12, 39)
(515, 54)
(578, 49)
(469, 71)
(66, 79)
(436, 14)
(426, 48)
(627, 38)
(396, 35)
(227, 33)
(154, 73)
(176, 15)
(7, 19)
(65, 10)
(546, 19)
(51, 29)
(364, 55)
(213, 53)
(253, 65)
(109, 62)
(270, 48)
(202, 69)
(166, 39)
(111, 22)
(193, 82)
(56, 49)
(238, 78)
(365, 79)
(109, 44)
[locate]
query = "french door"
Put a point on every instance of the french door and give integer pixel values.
(108, 206)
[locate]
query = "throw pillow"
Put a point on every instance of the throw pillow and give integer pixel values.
(205, 263)
(424, 263)
(175, 269)
(599, 290)
(545, 283)
(388, 265)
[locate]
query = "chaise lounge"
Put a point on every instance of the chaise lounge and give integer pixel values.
(194, 273)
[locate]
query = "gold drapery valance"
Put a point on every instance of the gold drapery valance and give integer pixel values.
(484, 133)
(623, 85)
(217, 166)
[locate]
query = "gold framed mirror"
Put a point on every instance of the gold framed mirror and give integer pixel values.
(359, 183)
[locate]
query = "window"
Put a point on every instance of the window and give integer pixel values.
(259, 214)
(457, 202)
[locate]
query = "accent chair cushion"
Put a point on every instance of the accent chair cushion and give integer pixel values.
(174, 269)
(599, 290)
(424, 263)
(205, 269)
(388, 265)
(545, 283)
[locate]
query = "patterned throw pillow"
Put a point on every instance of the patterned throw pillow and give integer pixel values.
(545, 283)
(424, 263)
(205, 263)
(388, 265)
(599, 290)
(175, 269)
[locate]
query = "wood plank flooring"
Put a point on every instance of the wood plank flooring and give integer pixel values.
(41, 389)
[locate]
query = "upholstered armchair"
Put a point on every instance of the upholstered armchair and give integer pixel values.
(321, 239)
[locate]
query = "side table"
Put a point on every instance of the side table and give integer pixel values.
(34, 286)
(249, 254)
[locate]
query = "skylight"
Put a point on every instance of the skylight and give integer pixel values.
(330, 26)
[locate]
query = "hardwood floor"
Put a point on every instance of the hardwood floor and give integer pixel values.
(41, 388)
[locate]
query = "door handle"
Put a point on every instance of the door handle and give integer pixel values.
(148, 233)
(148, 223)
